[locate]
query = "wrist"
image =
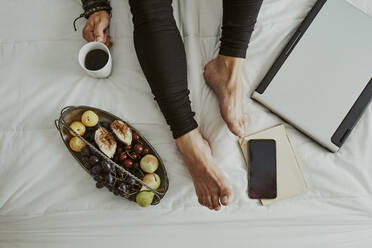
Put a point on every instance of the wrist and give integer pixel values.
(93, 6)
(96, 6)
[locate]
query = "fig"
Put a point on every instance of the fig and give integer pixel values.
(89, 118)
(78, 127)
(105, 141)
(144, 198)
(152, 180)
(76, 144)
(122, 131)
(149, 163)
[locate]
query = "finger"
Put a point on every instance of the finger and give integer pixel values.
(108, 41)
(88, 33)
(107, 38)
(108, 44)
(99, 31)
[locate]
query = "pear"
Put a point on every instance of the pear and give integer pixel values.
(149, 163)
(152, 180)
(144, 198)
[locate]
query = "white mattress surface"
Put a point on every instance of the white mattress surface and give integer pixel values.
(47, 200)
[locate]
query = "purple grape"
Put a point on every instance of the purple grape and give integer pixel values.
(105, 124)
(131, 181)
(96, 170)
(85, 152)
(109, 179)
(91, 149)
(89, 136)
(106, 166)
(85, 162)
(99, 185)
(123, 187)
(98, 178)
(93, 159)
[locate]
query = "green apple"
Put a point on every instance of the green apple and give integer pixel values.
(149, 163)
(152, 180)
(144, 198)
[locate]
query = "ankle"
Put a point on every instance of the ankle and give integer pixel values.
(188, 140)
(232, 63)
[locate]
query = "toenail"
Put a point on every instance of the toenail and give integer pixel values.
(225, 199)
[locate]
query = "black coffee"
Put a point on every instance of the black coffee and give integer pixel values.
(96, 59)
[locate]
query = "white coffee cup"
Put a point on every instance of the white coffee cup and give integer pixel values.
(105, 71)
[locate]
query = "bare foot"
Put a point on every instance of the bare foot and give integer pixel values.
(222, 74)
(209, 182)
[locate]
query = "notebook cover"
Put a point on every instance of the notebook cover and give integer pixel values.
(290, 180)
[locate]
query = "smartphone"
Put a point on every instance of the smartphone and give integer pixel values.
(262, 169)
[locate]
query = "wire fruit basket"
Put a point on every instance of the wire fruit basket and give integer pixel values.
(122, 171)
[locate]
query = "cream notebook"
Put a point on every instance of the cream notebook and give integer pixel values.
(290, 180)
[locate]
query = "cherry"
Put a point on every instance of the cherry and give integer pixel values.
(123, 156)
(145, 150)
(138, 148)
(136, 165)
(128, 163)
(134, 155)
(135, 136)
(127, 147)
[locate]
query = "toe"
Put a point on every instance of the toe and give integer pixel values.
(235, 129)
(216, 202)
(205, 201)
(201, 201)
(208, 201)
(244, 127)
(225, 196)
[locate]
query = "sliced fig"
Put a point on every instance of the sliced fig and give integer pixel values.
(105, 142)
(122, 132)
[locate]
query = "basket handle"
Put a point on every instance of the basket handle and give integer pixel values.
(66, 108)
(56, 123)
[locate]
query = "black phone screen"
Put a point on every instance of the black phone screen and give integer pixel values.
(262, 169)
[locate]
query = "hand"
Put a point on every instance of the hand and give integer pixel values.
(95, 27)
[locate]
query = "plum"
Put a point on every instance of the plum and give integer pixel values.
(78, 127)
(89, 118)
(76, 144)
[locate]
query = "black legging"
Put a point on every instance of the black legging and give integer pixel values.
(161, 52)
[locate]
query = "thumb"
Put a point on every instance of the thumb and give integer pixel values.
(98, 32)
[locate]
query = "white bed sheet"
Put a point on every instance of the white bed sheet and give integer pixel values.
(47, 200)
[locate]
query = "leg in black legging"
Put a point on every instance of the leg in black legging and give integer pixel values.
(223, 74)
(161, 53)
(162, 57)
(239, 18)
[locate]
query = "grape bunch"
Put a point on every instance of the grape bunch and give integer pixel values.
(106, 175)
